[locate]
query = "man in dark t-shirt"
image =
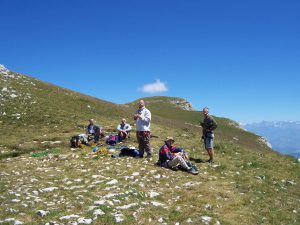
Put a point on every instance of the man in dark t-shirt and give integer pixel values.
(208, 127)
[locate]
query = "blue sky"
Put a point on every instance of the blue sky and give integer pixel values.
(240, 58)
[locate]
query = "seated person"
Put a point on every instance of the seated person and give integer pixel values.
(170, 159)
(78, 140)
(94, 130)
(123, 130)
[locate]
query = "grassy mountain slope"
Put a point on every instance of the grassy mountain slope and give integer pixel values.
(249, 183)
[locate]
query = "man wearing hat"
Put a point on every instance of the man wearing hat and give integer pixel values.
(168, 157)
(208, 127)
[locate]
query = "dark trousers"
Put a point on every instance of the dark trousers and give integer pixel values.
(97, 134)
(143, 138)
(123, 135)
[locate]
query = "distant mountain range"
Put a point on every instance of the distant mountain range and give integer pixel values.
(283, 135)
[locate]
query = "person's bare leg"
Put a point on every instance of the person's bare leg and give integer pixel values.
(210, 152)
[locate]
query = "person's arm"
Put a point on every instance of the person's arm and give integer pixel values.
(167, 155)
(146, 117)
(97, 129)
(128, 127)
(119, 127)
(214, 124)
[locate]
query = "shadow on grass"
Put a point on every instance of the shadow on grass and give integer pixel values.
(34, 152)
(197, 160)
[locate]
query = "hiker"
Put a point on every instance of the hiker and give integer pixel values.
(142, 118)
(123, 130)
(169, 158)
(94, 131)
(78, 140)
(208, 127)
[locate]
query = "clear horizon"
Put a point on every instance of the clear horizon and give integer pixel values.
(241, 59)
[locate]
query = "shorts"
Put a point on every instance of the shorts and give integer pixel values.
(209, 141)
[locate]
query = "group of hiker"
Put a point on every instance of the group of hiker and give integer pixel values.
(96, 132)
(169, 155)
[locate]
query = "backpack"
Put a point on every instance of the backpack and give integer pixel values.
(130, 152)
(112, 140)
(127, 152)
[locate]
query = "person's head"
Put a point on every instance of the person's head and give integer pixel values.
(92, 121)
(169, 141)
(141, 103)
(123, 121)
(205, 111)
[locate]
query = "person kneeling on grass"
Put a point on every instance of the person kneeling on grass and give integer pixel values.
(169, 158)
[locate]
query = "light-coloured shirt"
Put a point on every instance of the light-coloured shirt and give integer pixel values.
(83, 137)
(124, 127)
(143, 123)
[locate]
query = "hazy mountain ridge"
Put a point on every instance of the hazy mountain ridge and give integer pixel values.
(283, 135)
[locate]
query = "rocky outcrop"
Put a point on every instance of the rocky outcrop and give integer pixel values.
(3, 70)
(265, 141)
(183, 104)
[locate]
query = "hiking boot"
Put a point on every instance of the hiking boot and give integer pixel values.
(149, 158)
(210, 161)
(193, 171)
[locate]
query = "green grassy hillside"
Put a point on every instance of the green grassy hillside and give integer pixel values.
(248, 184)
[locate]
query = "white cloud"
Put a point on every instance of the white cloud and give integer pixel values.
(154, 88)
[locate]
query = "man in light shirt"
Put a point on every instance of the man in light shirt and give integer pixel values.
(142, 118)
(123, 130)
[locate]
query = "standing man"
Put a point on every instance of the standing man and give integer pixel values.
(142, 118)
(208, 127)
(123, 130)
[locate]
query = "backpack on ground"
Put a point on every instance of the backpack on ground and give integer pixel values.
(112, 140)
(132, 152)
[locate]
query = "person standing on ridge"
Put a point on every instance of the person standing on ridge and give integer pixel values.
(208, 127)
(142, 118)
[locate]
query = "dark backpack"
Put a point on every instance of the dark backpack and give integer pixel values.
(127, 152)
(130, 152)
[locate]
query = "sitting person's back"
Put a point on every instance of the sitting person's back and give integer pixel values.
(123, 130)
(94, 130)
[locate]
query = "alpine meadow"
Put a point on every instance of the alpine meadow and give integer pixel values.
(45, 181)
